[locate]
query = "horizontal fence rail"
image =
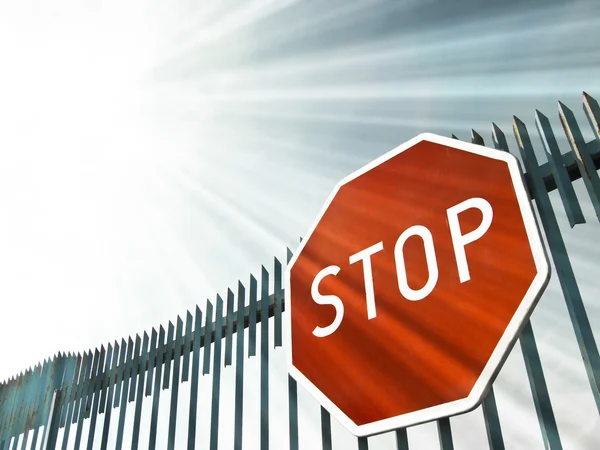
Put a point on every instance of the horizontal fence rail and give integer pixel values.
(65, 390)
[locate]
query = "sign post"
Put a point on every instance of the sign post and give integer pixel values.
(413, 283)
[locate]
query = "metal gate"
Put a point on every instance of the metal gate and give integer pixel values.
(47, 406)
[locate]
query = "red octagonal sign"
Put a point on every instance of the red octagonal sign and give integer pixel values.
(413, 283)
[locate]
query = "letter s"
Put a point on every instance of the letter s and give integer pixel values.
(327, 300)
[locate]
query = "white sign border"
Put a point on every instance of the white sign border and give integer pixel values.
(507, 340)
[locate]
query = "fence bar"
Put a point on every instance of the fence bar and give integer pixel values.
(583, 158)
(187, 350)
(156, 394)
(175, 385)
(120, 372)
(566, 276)
(229, 325)
(541, 398)
(97, 365)
(70, 396)
(492, 421)
(152, 361)
(86, 388)
(111, 388)
(489, 408)
(216, 386)
(87, 367)
(46, 439)
(363, 443)
(252, 318)
(106, 378)
(592, 112)
(264, 360)
(278, 292)
(126, 375)
(239, 370)
(535, 372)
(17, 424)
(69, 380)
(561, 176)
(50, 399)
(167, 360)
(11, 388)
(208, 329)
(195, 375)
(26, 388)
(29, 416)
(98, 382)
(401, 439)
(325, 429)
(292, 395)
(445, 434)
(135, 368)
(39, 404)
(139, 395)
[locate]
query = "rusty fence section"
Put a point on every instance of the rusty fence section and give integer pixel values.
(63, 392)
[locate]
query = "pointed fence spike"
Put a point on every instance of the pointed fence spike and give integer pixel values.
(168, 355)
(187, 350)
(476, 138)
(152, 358)
(208, 333)
(229, 329)
(252, 319)
(279, 305)
(499, 138)
(592, 111)
(587, 169)
(559, 171)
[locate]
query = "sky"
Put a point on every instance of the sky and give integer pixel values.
(153, 153)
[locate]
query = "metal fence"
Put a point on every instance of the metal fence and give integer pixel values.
(67, 390)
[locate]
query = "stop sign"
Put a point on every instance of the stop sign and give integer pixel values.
(412, 284)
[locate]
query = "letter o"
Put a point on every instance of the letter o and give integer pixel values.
(432, 267)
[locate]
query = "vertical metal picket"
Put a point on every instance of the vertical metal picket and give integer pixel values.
(208, 325)
(401, 439)
(139, 395)
(70, 401)
(592, 112)
(112, 380)
(156, 394)
(229, 324)
(168, 355)
(561, 177)
(40, 402)
(278, 293)
(489, 408)
(125, 392)
(252, 318)
(198, 335)
(187, 347)
(135, 367)
(175, 384)
(264, 360)
(363, 443)
(99, 390)
(239, 369)
(292, 396)
(325, 429)
(94, 389)
(445, 434)
(216, 379)
(535, 373)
